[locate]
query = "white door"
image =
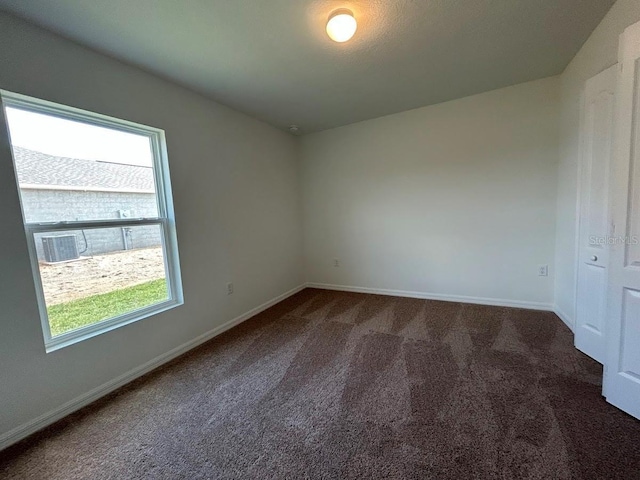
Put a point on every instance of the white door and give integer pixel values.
(593, 252)
(622, 366)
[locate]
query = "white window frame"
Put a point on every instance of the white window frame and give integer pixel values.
(165, 219)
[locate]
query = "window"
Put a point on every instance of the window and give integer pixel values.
(97, 209)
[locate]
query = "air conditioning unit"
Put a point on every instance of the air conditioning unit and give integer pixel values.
(60, 248)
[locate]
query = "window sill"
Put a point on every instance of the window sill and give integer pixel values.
(81, 334)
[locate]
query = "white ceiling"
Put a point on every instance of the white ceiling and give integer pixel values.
(273, 60)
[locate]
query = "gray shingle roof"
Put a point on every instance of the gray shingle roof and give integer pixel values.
(39, 169)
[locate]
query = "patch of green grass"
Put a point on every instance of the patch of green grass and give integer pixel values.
(86, 311)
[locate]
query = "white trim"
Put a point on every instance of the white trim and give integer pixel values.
(70, 188)
(578, 221)
(498, 302)
(39, 105)
(40, 227)
(74, 336)
(564, 317)
(165, 218)
(26, 429)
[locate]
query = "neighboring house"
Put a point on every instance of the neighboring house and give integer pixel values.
(77, 189)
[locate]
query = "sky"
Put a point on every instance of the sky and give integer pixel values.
(66, 138)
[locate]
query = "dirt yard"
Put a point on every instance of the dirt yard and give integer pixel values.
(88, 276)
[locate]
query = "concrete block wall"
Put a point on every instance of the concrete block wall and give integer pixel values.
(55, 205)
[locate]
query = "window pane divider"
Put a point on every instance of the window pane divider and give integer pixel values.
(165, 219)
(87, 224)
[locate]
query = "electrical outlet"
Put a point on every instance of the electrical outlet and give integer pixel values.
(543, 270)
(229, 288)
(336, 262)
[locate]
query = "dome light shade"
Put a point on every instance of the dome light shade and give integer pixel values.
(341, 25)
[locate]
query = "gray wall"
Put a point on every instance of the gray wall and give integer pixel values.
(235, 189)
(54, 205)
(453, 200)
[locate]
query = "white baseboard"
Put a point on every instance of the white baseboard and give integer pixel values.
(564, 317)
(77, 403)
(71, 406)
(437, 296)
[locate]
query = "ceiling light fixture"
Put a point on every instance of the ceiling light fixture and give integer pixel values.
(341, 25)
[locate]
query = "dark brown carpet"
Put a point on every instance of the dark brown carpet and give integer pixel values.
(339, 385)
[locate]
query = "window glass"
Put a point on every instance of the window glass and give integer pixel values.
(96, 203)
(93, 275)
(69, 170)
